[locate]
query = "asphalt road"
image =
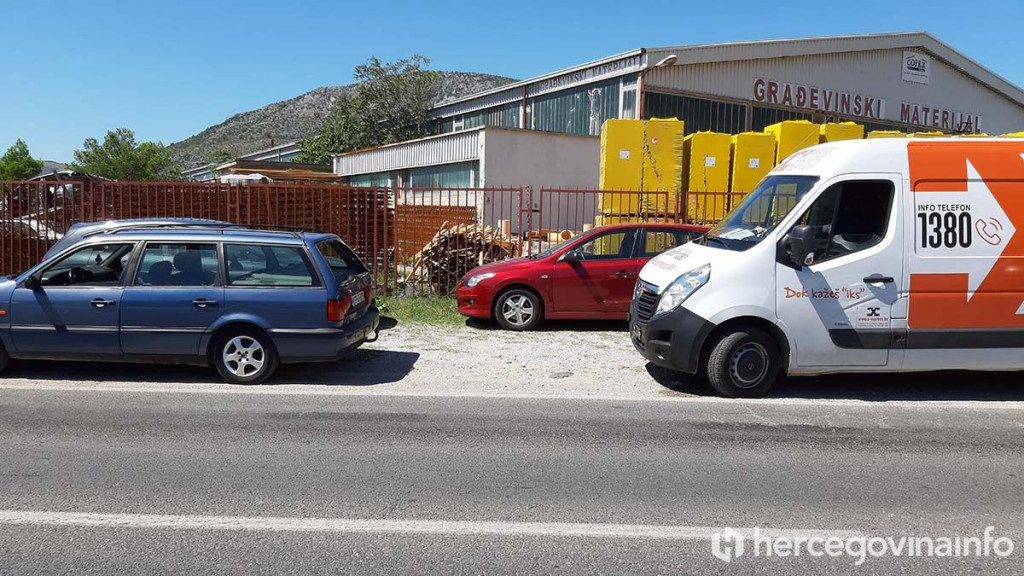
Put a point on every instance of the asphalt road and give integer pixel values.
(261, 481)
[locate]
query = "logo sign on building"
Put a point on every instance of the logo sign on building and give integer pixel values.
(587, 75)
(818, 99)
(916, 67)
(950, 120)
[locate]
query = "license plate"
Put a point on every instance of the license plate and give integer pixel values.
(358, 298)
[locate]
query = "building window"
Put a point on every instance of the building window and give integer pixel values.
(698, 114)
(506, 116)
(375, 180)
(580, 110)
(460, 175)
(763, 117)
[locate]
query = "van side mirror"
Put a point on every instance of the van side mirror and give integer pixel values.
(571, 256)
(800, 242)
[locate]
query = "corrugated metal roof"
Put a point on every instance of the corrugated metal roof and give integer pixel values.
(516, 88)
(755, 50)
(444, 149)
(764, 49)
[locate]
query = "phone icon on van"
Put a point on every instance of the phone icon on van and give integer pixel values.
(989, 231)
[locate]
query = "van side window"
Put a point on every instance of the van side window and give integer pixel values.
(97, 265)
(849, 217)
(174, 264)
(268, 266)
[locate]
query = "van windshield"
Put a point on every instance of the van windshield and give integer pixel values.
(760, 212)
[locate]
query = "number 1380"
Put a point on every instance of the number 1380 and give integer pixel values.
(945, 229)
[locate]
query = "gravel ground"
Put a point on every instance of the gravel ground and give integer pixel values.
(582, 359)
(578, 358)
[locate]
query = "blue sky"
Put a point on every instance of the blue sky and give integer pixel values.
(167, 70)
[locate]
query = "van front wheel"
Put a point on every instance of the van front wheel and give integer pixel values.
(743, 363)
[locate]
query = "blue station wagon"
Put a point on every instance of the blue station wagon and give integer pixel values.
(190, 292)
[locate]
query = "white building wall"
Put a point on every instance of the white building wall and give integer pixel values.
(544, 160)
(876, 73)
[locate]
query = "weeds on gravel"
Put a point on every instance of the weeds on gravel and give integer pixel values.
(430, 310)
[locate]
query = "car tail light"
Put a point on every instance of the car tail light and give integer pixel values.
(337, 309)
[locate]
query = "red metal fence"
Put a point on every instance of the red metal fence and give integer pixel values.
(416, 240)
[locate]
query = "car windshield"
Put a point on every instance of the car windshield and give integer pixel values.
(760, 212)
(555, 248)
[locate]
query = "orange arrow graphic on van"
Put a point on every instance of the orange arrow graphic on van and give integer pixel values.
(971, 278)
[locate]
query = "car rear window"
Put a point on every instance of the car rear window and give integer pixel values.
(343, 262)
(268, 266)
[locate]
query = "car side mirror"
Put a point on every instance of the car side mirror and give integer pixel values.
(571, 256)
(800, 242)
(32, 283)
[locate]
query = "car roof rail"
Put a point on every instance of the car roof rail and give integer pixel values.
(220, 227)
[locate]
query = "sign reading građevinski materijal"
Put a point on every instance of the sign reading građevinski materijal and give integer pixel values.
(819, 99)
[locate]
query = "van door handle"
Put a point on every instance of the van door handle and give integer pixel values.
(879, 280)
(203, 303)
(623, 274)
(101, 303)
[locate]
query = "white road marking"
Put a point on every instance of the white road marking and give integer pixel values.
(370, 526)
(329, 390)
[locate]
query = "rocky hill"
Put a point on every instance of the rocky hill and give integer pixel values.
(298, 118)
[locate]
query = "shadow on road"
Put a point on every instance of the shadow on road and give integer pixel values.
(364, 367)
(559, 325)
(946, 385)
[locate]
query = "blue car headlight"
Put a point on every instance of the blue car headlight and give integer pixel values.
(680, 290)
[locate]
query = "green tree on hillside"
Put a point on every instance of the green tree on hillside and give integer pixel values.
(221, 157)
(18, 164)
(121, 158)
(390, 103)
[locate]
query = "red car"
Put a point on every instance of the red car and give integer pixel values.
(590, 276)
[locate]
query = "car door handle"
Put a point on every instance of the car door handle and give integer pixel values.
(623, 274)
(203, 303)
(101, 303)
(879, 280)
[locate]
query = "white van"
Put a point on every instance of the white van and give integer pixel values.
(859, 256)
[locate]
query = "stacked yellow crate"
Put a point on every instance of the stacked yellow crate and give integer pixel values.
(643, 156)
(886, 134)
(706, 175)
(933, 134)
(1012, 135)
(753, 156)
(836, 131)
(793, 135)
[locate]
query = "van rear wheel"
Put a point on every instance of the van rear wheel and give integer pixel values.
(245, 356)
(743, 363)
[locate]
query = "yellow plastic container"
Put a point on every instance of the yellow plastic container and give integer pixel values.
(706, 175)
(978, 135)
(935, 134)
(640, 155)
(1012, 135)
(793, 135)
(886, 134)
(836, 131)
(753, 156)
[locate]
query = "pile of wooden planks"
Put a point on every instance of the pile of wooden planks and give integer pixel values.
(453, 251)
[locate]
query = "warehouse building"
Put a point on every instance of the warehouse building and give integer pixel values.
(904, 81)
(281, 153)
